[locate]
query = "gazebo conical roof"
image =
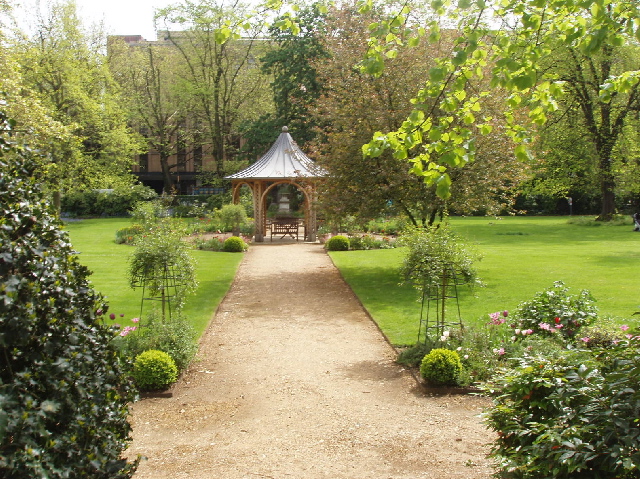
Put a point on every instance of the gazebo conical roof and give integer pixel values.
(283, 160)
(283, 163)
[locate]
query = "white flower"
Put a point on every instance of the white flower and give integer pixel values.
(445, 334)
(459, 348)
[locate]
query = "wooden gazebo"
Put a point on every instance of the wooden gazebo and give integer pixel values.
(284, 163)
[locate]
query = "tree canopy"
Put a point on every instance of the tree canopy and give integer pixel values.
(513, 37)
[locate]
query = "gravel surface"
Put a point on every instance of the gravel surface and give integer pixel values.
(294, 380)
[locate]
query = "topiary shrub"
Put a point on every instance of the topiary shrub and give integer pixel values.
(154, 370)
(64, 395)
(234, 244)
(441, 367)
(338, 243)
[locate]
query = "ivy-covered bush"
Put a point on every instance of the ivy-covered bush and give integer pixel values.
(441, 367)
(63, 392)
(234, 244)
(154, 370)
(338, 243)
(554, 312)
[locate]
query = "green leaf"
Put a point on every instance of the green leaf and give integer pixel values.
(443, 184)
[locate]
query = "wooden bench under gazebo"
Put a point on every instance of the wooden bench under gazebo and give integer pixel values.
(283, 164)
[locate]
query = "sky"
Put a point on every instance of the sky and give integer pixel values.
(121, 17)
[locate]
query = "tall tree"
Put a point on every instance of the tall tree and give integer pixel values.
(148, 74)
(219, 48)
(64, 69)
(355, 104)
(602, 116)
(515, 55)
(295, 84)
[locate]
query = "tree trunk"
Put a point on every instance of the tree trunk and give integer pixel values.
(167, 178)
(607, 192)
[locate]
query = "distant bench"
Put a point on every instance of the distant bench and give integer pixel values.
(285, 228)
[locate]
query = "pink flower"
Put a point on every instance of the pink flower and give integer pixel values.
(496, 319)
(499, 352)
(527, 331)
(505, 313)
(585, 339)
(624, 327)
(628, 336)
(545, 326)
(135, 320)
(559, 326)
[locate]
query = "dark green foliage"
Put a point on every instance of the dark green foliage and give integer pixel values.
(117, 202)
(571, 417)
(338, 243)
(154, 370)
(234, 244)
(63, 395)
(412, 357)
(441, 367)
(295, 86)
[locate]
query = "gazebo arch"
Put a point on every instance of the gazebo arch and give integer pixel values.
(284, 163)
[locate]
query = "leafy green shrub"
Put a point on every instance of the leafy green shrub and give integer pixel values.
(604, 334)
(338, 243)
(154, 370)
(149, 213)
(554, 312)
(177, 338)
(233, 217)
(213, 244)
(63, 392)
(366, 242)
(234, 244)
(569, 417)
(441, 367)
(128, 234)
(116, 202)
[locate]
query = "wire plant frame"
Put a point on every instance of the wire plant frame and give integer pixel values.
(435, 317)
(166, 293)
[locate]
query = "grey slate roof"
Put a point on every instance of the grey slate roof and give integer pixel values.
(283, 160)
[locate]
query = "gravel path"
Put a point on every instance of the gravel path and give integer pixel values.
(293, 380)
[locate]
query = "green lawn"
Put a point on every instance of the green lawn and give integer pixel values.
(94, 241)
(520, 256)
